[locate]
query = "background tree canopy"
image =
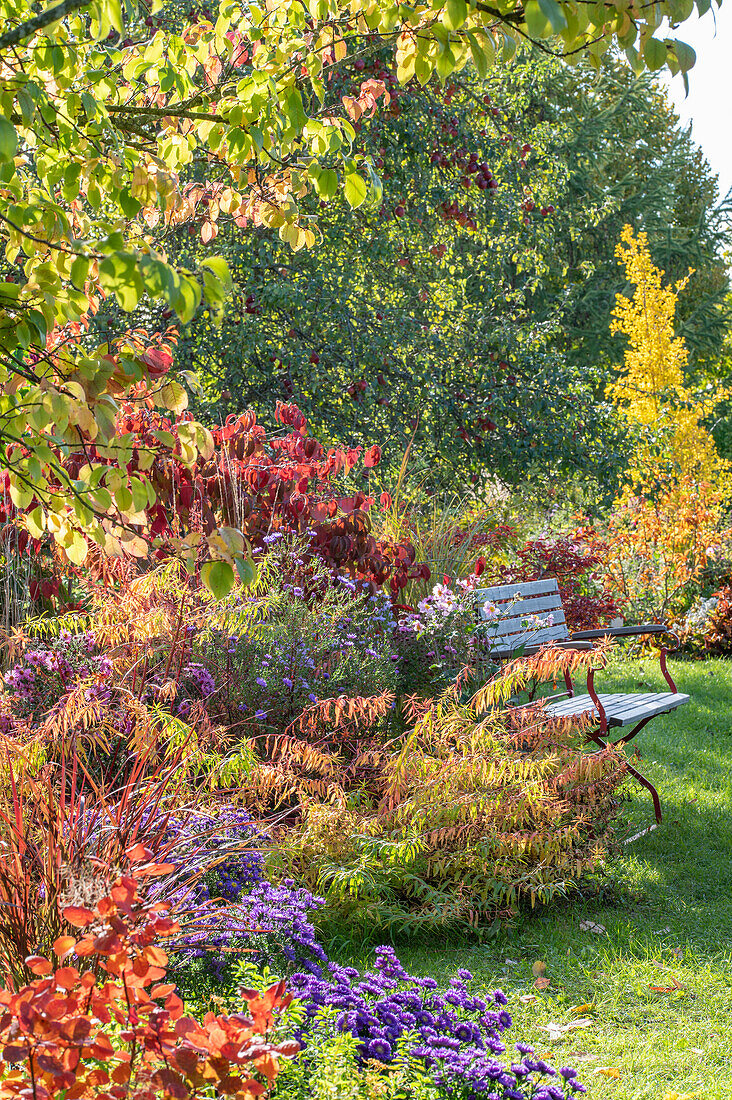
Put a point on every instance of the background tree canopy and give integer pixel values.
(473, 303)
(125, 127)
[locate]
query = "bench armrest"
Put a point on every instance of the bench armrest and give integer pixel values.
(528, 650)
(623, 631)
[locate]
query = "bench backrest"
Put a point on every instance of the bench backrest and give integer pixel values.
(521, 614)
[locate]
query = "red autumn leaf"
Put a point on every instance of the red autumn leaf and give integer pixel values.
(186, 1061)
(138, 853)
(154, 869)
(67, 977)
(78, 916)
(158, 362)
(63, 946)
(13, 1054)
(372, 457)
(38, 965)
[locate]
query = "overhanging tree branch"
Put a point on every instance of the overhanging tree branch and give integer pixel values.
(50, 15)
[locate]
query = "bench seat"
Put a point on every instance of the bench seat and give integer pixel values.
(621, 710)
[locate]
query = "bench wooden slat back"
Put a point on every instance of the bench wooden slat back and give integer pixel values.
(515, 603)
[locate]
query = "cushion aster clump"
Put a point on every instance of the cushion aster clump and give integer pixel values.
(457, 1034)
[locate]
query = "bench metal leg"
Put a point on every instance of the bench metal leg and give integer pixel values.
(633, 771)
(622, 741)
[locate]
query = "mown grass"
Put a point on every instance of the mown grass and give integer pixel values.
(665, 907)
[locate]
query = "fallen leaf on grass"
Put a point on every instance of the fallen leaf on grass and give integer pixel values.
(527, 998)
(668, 988)
(556, 1031)
(590, 926)
(578, 1010)
(542, 983)
(609, 1071)
(538, 968)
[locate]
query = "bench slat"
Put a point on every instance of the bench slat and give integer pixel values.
(517, 624)
(529, 588)
(500, 643)
(621, 710)
(521, 607)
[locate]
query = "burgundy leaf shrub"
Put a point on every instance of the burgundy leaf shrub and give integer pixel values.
(576, 560)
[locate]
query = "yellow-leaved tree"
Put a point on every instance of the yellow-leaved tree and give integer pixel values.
(668, 526)
(651, 390)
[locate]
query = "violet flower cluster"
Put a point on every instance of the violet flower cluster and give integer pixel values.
(457, 1034)
(222, 899)
(194, 682)
(310, 649)
(46, 674)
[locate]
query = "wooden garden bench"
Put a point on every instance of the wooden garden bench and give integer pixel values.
(509, 636)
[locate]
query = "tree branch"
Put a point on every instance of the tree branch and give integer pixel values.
(50, 15)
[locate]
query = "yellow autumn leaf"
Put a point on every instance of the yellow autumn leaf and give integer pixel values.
(609, 1071)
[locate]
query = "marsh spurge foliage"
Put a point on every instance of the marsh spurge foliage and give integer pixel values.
(457, 1034)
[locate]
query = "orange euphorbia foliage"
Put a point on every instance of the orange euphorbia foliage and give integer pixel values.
(659, 547)
(118, 1030)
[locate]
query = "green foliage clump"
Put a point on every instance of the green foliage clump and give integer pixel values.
(479, 807)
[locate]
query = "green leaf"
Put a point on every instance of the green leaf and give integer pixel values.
(554, 14)
(8, 140)
(220, 268)
(326, 184)
(654, 54)
(480, 60)
(77, 549)
(79, 272)
(456, 12)
(537, 22)
(685, 55)
(247, 571)
(218, 577)
(355, 189)
(173, 397)
(34, 523)
(295, 110)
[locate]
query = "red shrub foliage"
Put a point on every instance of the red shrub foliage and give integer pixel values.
(260, 483)
(117, 1031)
(575, 559)
(710, 635)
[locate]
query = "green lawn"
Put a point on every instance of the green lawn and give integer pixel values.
(666, 907)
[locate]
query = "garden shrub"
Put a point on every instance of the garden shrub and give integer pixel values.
(436, 639)
(66, 835)
(301, 636)
(664, 550)
(118, 1029)
(254, 483)
(577, 560)
(476, 808)
(707, 629)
